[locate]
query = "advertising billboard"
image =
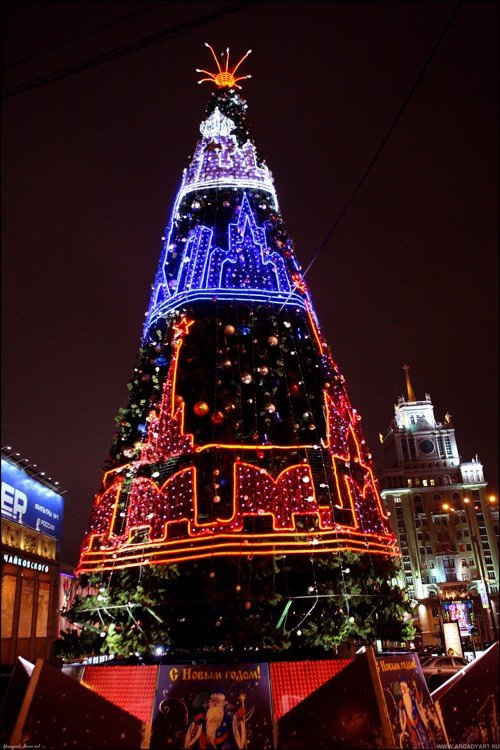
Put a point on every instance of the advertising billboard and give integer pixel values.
(461, 611)
(26, 501)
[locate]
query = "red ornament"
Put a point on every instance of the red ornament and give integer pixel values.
(217, 417)
(294, 388)
(201, 409)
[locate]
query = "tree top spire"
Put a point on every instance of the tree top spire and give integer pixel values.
(224, 78)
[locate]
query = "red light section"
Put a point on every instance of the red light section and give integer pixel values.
(293, 681)
(131, 688)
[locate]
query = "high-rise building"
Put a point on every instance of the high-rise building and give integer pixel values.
(445, 521)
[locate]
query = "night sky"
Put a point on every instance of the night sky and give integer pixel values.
(92, 163)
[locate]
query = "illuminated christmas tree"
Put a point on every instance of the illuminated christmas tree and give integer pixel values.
(239, 508)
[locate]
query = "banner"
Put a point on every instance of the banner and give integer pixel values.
(412, 715)
(213, 706)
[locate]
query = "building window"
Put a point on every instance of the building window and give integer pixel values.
(431, 563)
(26, 608)
(464, 562)
(494, 589)
(465, 576)
(42, 615)
(488, 560)
(455, 496)
(471, 562)
(410, 483)
(411, 446)
(468, 547)
(432, 482)
(439, 441)
(8, 600)
(447, 445)
(486, 546)
(491, 575)
(433, 579)
(450, 575)
(421, 550)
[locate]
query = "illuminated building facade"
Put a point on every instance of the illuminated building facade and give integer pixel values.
(239, 434)
(445, 521)
(32, 515)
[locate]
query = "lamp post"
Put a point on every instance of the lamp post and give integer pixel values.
(491, 614)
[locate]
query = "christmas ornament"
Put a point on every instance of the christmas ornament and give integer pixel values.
(217, 417)
(229, 330)
(201, 408)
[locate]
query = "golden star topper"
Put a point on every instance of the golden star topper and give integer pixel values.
(223, 79)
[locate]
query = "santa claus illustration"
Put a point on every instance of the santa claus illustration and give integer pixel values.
(220, 726)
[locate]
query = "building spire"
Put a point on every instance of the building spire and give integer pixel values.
(409, 389)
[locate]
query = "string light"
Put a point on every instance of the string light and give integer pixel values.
(312, 489)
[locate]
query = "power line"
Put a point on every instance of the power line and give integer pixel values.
(82, 35)
(161, 36)
(343, 211)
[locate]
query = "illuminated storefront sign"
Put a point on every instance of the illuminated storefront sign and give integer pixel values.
(30, 503)
(22, 562)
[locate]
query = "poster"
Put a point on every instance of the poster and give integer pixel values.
(412, 715)
(452, 642)
(461, 611)
(227, 707)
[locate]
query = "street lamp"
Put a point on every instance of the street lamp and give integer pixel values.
(483, 578)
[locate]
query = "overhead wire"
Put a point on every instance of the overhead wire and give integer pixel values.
(89, 32)
(386, 137)
(161, 36)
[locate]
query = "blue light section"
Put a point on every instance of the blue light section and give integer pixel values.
(248, 270)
